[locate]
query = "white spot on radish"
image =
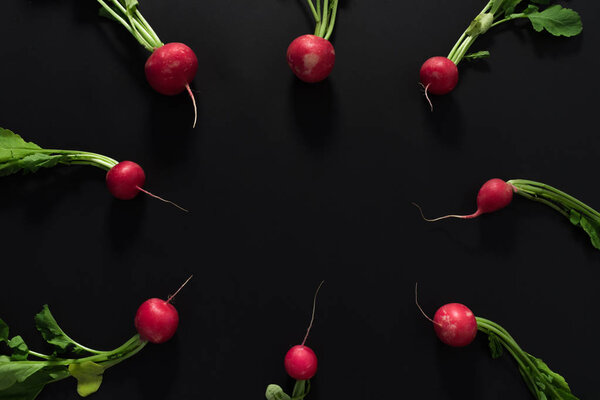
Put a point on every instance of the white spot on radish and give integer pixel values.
(310, 60)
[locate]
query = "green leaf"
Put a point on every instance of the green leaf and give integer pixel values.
(275, 392)
(592, 228)
(557, 20)
(11, 141)
(542, 2)
(531, 9)
(550, 382)
(88, 375)
(131, 5)
(3, 331)
(32, 386)
(20, 351)
(480, 24)
(53, 334)
(477, 55)
(495, 345)
(15, 372)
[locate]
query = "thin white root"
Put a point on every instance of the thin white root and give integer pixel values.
(178, 290)
(161, 199)
(419, 307)
(426, 89)
(312, 318)
(189, 90)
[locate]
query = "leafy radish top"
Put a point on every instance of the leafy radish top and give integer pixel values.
(124, 179)
(496, 194)
(554, 19)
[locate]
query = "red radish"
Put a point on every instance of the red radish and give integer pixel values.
(301, 362)
(125, 179)
(311, 58)
(439, 75)
(156, 320)
(455, 325)
(494, 195)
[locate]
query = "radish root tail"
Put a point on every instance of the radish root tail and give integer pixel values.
(189, 90)
(419, 306)
(426, 91)
(161, 199)
(178, 290)
(445, 216)
(312, 318)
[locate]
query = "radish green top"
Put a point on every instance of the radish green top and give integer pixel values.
(543, 383)
(579, 213)
(126, 13)
(301, 390)
(18, 155)
(324, 15)
(23, 378)
(555, 19)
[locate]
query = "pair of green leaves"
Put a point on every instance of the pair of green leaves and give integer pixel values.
(301, 390)
(555, 19)
(18, 155)
(589, 225)
(21, 379)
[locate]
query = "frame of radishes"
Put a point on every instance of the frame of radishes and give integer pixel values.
(171, 67)
(312, 57)
(496, 194)
(124, 179)
(439, 75)
(300, 363)
(156, 321)
(457, 326)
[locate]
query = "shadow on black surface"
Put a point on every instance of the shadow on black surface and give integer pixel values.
(313, 106)
(459, 373)
(446, 120)
(125, 222)
(156, 376)
(543, 43)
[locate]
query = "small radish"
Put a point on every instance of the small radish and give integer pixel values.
(312, 57)
(439, 75)
(494, 195)
(457, 326)
(124, 180)
(156, 320)
(300, 363)
(171, 67)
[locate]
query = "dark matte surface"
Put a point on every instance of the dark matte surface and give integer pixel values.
(290, 184)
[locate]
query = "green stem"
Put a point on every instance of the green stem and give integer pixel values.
(148, 27)
(83, 158)
(314, 11)
(332, 20)
(509, 18)
(460, 48)
(325, 20)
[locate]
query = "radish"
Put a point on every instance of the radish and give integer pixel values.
(156, 320)
(457, 326)
(439, 75)
(24, 373)
(312, 57)
(124, 180)
(496, 194)
(300, 363)
(171, 67)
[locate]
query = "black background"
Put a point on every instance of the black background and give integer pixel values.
(291, 183)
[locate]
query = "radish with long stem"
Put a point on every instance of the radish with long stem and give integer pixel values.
(124, 179)
(439, 75)
(496, 194)
(300, 363)
(312, 57)
(24, 373)
(171, 67)
(457, 326)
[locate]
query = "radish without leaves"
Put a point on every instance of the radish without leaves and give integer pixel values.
(171, 67)
(439, 75)
(300, 363)
(496, 194)
(124, 180)
(312, 57)
(456, 325)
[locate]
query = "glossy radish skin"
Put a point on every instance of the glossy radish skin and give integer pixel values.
(439, 75)
(171, 68)
(455, 325)
(156, 320)
(494, 195)
(301, 362)
(311, 58)
(125, 179)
